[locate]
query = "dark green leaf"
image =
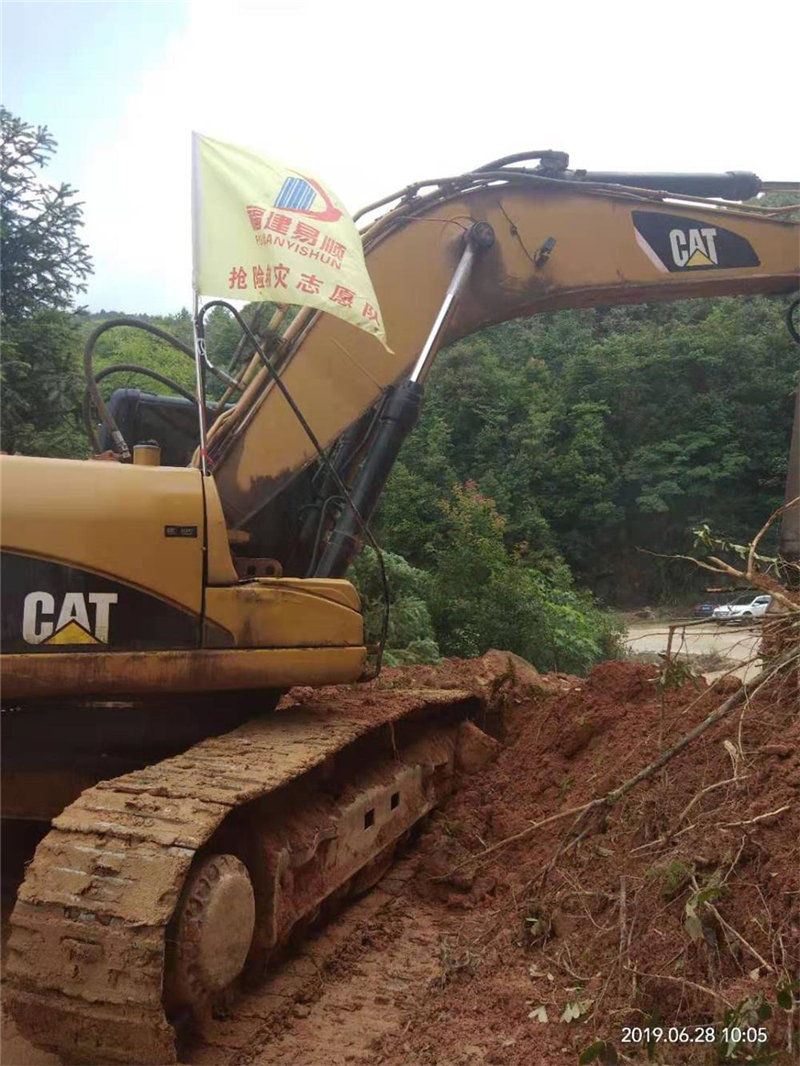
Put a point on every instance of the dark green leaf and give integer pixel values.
(784, 997)
(592, 1052)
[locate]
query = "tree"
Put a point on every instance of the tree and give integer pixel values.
(481, 596)
(42, 387)
(44, 264)
(598, 432)
(409, 637)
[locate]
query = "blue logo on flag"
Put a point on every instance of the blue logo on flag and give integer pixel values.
(296, 195)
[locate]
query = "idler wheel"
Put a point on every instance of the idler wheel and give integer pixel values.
(212, 930)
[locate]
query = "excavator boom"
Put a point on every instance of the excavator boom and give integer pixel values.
(558, 244)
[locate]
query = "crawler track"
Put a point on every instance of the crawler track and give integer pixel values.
(311, 799)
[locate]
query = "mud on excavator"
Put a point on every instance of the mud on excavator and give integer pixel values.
(155, 612)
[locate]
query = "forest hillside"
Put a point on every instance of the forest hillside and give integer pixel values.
(558, 460)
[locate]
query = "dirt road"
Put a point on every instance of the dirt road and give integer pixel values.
(731, 644)
(344, 990)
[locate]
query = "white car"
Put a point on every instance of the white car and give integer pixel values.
(745, 609)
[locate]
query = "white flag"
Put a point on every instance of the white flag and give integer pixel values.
(262, 231)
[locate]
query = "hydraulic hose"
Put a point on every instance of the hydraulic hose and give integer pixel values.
(134, 368)
(119, 368)
(130, 368)
(120, 445)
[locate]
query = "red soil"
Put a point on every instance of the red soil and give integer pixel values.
(603, 922)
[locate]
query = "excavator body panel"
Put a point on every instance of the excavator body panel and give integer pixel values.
(105, 572)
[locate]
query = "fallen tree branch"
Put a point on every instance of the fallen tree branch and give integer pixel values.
(702, 792)
(757, 539)
(755, 577)
(758, 580)
(715, 716)
(740, 938)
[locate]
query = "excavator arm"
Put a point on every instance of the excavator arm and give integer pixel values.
(558, 243)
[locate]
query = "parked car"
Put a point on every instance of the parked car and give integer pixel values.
(702, 610)
(744, 609)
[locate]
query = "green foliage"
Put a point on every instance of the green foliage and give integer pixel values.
(483, 596)
(674, 673)
(410, 635)
(674, 876)
(602, 1051)
(480, 595)
(44, 262)
(601, 432)
(732, 1044)
(410, 511)
(41, 386)
(786, 992)
(42, 268)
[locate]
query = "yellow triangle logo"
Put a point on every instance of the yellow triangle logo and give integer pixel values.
(71, 633)
(697, 259)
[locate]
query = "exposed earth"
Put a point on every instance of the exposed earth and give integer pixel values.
(521, 930)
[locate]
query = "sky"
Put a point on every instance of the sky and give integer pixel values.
(373, 96)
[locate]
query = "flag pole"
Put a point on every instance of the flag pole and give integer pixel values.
(198, 325)
(200, 379)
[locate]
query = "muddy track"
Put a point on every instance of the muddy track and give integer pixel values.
(340, 993)
(89, 938)
(333, 998)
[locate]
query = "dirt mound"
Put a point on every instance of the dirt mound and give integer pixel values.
(676, 908)
(621, 681)
(499, 677)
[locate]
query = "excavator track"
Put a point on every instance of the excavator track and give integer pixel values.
(311, 800)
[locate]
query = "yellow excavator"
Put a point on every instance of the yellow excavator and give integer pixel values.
(155, 608)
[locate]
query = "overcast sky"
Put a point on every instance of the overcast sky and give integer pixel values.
(372, 96)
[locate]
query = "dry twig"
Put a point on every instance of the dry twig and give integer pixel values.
(683, 981)
(702, 792)
(758, 817)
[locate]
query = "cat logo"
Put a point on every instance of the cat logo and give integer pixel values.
(41, 624)
(695, 248)
(675, 243)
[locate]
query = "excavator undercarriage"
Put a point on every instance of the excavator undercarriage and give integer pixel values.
(155, 890)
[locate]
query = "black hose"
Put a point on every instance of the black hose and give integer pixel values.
(130, 368)
(558, 159)
(320, 529)
(134, 368)
(119, 443)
